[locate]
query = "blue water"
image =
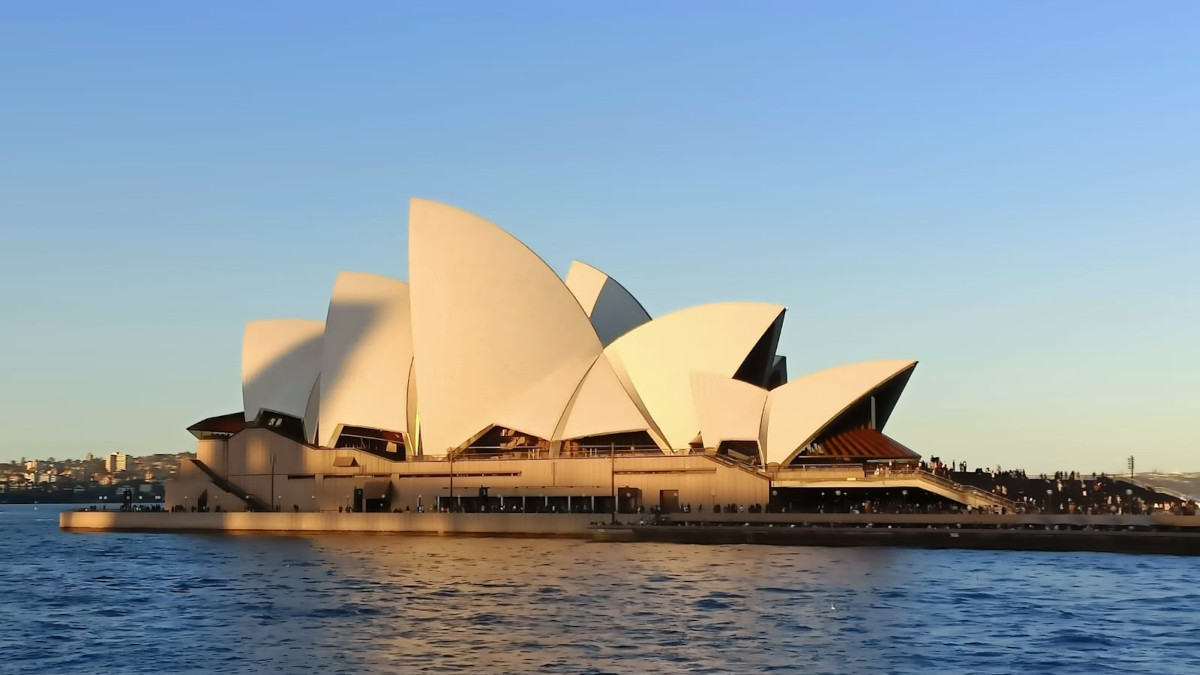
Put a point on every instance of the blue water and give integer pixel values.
(171, 603)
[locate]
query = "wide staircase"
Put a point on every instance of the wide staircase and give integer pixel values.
(852, 476)
(1156, 491)
(254, 503)
(735, 464)
(965, 494)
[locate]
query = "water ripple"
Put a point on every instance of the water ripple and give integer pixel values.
(134, 603)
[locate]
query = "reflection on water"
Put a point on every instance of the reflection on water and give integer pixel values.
(353, 604)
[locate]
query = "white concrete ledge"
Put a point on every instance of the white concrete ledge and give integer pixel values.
(493, 524)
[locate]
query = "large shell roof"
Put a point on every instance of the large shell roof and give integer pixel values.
(281, 359)
(612, 310)
(657, 359)
(366, 356)
(485, 334)
(497, 337)
(799, 410)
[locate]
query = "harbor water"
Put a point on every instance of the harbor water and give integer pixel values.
(179, 603)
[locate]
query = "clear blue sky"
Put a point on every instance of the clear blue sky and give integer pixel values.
(1006, 191)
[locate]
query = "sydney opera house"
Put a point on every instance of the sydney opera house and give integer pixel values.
(486, 382)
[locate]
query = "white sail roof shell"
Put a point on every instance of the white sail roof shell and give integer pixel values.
(611, 308)
(497, 337)
(366, 356)
(728, 409)
(488, 334)
(798, 411)
(601, 406)
(281, 359)
(656, 360)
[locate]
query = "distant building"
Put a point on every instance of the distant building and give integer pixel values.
(33, 472)
(116, 462)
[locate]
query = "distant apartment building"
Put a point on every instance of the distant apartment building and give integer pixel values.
(33, 472)
(116, 462)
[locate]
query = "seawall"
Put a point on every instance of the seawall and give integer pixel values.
(1156, 533)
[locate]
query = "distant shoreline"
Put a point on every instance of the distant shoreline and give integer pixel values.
(112, 503)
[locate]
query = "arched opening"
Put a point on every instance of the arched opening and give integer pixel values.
(386, 444)
(287, 426)
(504, 443)
(624, 443)
(741, 451)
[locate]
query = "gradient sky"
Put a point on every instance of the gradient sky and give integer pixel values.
(1007, 191)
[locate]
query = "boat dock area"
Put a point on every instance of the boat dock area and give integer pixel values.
(1163, 533)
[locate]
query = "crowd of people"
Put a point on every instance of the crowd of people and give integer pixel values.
(1064, 492)
(1072, 492)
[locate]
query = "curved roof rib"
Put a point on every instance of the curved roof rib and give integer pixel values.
(497, 337)
(611, 308)
(366, 356)
(655, 360)
(797, 412)
(312, 412)
(281, 359)
(728, 410)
